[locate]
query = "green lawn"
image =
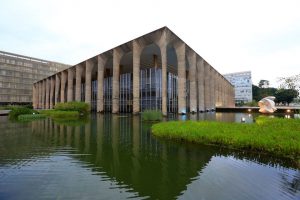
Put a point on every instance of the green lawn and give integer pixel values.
(272, 135)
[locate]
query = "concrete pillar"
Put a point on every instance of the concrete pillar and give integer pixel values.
(52, 89)
(200, 66)
(212, 89)
(136, 54)
(63, 86)
(117, 54)
(57, 88)
(180, 51)
(34, 94)
(192, 77)
(79, 70)
(47, 93)
(43, 93)
(70, 84)
(39, 94)
(88, 81)
(100, 95)
(206, 86)
(223, 92)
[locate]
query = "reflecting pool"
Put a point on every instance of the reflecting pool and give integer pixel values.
(116, 157)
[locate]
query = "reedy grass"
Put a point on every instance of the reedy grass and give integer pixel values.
(151, 115)
(29, 117)
(277, 136)
(58, 114)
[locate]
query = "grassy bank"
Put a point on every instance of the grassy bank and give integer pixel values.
(272, 135)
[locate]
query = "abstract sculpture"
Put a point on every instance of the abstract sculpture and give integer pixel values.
(267, 105)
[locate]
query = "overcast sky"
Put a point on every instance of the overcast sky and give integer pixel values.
(233, 36)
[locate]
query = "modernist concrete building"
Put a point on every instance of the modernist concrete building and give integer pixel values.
(18, 73)
(242, 83)
(155, 71)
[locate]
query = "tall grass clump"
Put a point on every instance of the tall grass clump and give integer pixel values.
(81, 107)
(60, 114)
(30, 117)
(278, 136)
(151, 115)
(19, 110)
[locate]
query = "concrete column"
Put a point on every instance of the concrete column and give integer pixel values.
(88, 81)
(52, 88)
(218, 90)
(70, 84)
(206, 86)
(117, 54)
(47, 93)
(180, 51)
(34, 94)
(212, 89)
(192, 77)
(43, 93)
(79, 70)
(63, 86)
(136, 54)
(100, 95)
(200, 66)
(223, 91)
(39, 94)
(57, 88)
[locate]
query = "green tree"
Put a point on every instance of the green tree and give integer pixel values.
(259, 93)
(263, 84)
(291, 82)
(285, 96)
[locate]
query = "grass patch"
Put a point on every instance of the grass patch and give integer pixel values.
(151, 115)
(16, 111)
(58, 114)
(81, 107)
(29, 117)
(278, 136)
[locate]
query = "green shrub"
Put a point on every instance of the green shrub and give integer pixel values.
(29, 117)
(60, 114)
(19, 110)
(81, 107)
(252, 103)
(151, 115)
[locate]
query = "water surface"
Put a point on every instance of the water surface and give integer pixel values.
(115, 157)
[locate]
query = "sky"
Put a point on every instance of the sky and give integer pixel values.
(260, 36)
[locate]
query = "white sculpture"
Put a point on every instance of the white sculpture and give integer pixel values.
(267, 105)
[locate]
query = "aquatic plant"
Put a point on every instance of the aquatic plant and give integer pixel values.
(19, 110)
(151, 115)
(273, 135)
(81, 107)
(29, 117)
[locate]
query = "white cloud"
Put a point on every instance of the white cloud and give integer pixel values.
(231, 35)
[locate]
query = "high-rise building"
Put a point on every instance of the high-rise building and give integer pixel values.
(18, 73)
(242, 83)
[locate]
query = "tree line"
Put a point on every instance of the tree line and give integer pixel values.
(285, 94)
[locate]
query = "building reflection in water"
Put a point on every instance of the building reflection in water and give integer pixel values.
(122, 149)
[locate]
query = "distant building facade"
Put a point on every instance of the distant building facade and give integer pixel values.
(242, 83)
(18, 73)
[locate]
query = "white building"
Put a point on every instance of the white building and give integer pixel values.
(242, 85)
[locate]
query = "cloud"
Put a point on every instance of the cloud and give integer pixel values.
(232, 36)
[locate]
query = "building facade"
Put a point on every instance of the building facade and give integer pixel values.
(18, 73)
(242, 83)
(155, 71)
